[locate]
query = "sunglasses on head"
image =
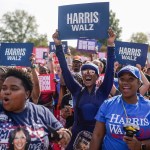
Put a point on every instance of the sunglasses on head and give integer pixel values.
(88, 71)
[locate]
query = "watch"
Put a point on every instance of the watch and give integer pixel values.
(143, 146)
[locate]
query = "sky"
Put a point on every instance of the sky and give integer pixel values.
(133, 14)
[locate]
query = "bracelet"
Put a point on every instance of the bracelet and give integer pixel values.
(69, 132)
(113, 45)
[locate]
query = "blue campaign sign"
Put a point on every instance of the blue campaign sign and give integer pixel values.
(45, 55)
(98, 46)
(89, 20)
(16, 54)
(87, 45)
(53, 47)
(131, 53)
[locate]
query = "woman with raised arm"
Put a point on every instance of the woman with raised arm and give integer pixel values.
(87, 98)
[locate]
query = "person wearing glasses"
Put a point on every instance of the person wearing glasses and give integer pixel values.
(86, 98)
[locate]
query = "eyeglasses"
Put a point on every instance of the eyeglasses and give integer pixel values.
(88, 71)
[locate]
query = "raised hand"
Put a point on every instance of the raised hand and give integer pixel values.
(55, 38)
(112, 37)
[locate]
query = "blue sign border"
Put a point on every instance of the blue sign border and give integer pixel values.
(100, 28)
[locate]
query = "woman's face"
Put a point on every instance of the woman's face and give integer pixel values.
(13, 94)
(128, 85)
(76, 65)
(84, 146)
(19, 141)
(57, 69)
(89, 77)
(43, 70)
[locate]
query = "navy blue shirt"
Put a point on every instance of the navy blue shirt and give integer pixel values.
(89, 102)
(35, 119)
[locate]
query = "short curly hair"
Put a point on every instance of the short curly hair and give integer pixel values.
(24, 76)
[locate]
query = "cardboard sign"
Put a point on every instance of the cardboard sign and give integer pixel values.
(131, 53)
(15, 54)
(102, 55)
(98, 46)
(41, 54)
(87, 45)
(53, 47)
(46, 82)
(89, 20)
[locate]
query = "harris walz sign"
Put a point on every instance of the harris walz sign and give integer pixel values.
(90, 20)
(131, 53)
(16, 54)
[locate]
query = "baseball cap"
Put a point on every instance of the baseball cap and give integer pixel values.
(131, 69)
(77, 58)
(90, 65)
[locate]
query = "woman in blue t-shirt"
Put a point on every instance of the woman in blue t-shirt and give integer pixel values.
(123, 122)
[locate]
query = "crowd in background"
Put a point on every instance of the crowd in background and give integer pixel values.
(80, 90)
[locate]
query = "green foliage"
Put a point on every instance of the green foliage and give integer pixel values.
(74, 51)
(39, 41)
(17, 26)
(114, 24)
(139, 37)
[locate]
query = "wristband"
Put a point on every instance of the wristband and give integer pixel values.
(69, 132)
(112, 45)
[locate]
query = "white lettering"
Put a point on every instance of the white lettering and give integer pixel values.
(53, 47)
(114, 118)
(82, 27)
(14, 58)
(129, 51)
(133, 58)
(82, 17)
(15, 51)
(115, 129)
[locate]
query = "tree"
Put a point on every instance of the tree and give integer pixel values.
(139, 37)
(39, 41)
(114, 24)
(17, 26)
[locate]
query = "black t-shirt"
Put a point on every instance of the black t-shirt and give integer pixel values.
(148, 77)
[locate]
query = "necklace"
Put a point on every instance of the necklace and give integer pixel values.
(124, 110)
(127, 120)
